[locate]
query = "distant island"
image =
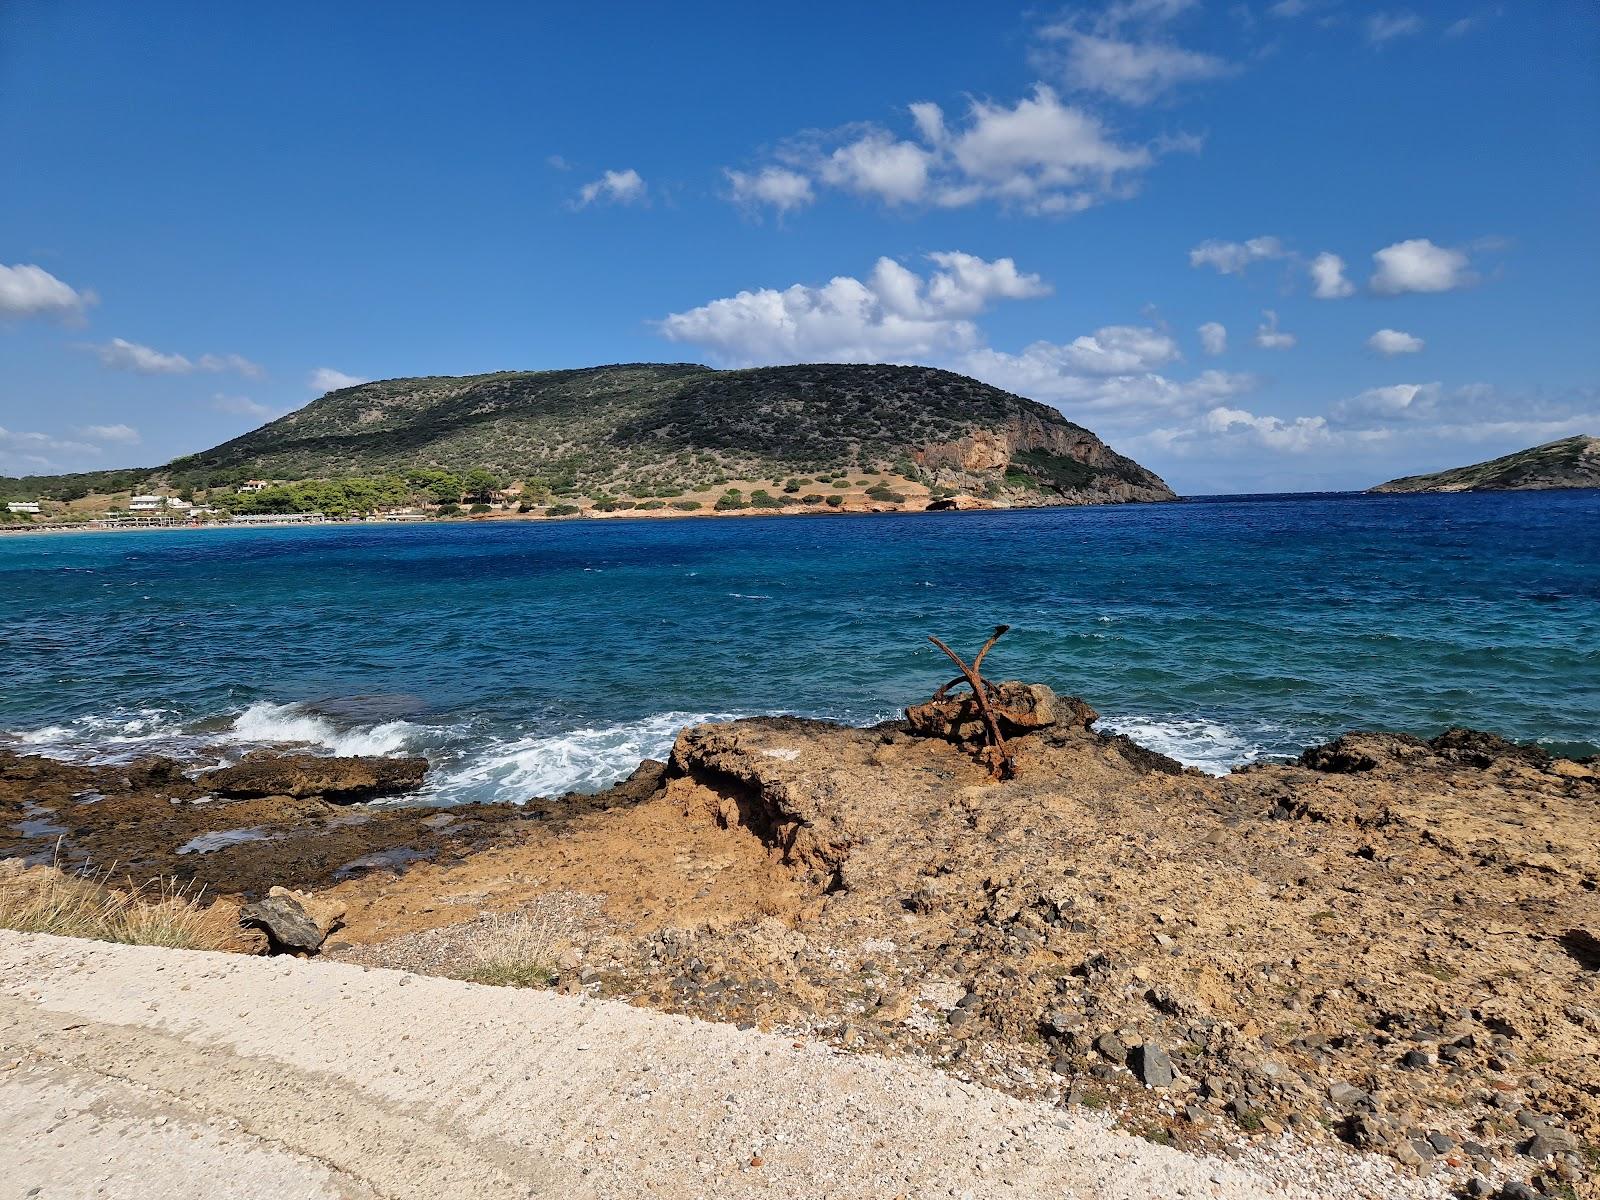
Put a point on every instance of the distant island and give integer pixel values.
(1572, 462)
(647, 438)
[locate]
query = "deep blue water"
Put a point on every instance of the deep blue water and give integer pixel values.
(530, 657)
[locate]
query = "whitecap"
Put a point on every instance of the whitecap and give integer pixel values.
(551, 764)
(1208, 745)
(267, 722)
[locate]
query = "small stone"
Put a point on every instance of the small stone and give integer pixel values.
(1539, 1146)
(1479, 1188)
(1149, 1062)
(1442, 1143)
(1347, 1095)
(1418, 1059)
(1517, 1190)
(1110, 1045)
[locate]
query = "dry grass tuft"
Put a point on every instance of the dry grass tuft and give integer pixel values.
(521, 949)
(162, 912)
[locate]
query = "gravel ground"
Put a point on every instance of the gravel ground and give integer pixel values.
(133, 1071)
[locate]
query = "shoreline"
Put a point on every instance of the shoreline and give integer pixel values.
(1215, 961)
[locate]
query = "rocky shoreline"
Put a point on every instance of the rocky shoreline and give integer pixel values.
(1392, 944)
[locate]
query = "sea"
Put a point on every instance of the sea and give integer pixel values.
(533, 658)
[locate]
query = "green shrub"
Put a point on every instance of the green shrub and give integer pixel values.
(449, 510)
(731, 500)
(835, 501)
(686, 505)
(605, 505)
(882, 493)
(841, 484)
(761, 498)
(561, 510)
(479, 507)
(651, 505)
(811, 498)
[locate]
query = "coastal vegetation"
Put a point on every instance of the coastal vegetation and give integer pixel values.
(162, 912)
(1572, 462)
(618, 436)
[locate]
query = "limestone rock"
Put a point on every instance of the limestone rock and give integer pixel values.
(294, 922)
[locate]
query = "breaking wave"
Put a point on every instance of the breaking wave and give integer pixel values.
(1209, 746)
(267, 722)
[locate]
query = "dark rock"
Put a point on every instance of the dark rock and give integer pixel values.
(293, 921)
(337, 780)
(1110, 1045)
(1418, 1059)
(1517, 1190)
(1442, 1143)
(1150, 1064)
(1479, 1188)
(1476, 749)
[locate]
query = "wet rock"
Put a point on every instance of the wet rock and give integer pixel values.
(1151, 1066)
(337, 780)
(294, 922)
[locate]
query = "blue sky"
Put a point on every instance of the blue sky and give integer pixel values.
(1273, 245)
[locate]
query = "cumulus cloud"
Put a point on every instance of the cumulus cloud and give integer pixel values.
(243, 406)
(1409, 401)
(125, 435)
(1214, 338)
(1386, 26)
(1296, 435)
(1056, 373)
(613, 187)
(27, 290)
(1269, 336)
(1391, 342)
(777, 187)
(326, 379)
(1328, 280)
(1418, 265)
(1231, 258)
(893, 315)
(122, 355)
(1039, 156)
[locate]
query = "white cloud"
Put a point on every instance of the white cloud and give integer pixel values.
(122, 355)
(125, 435)
(877, 164)
(1214, 338)
(31, 291)
(1038, 156)
(777, 187)
(1391, 342)
(242, 406)
(1418, 265)
(1290, 8)
(29, 447)
(1408, 401)
(895, 315)
(1132, 71)
(1231, 258)
(1296, 435)
(1041, 154)
(557, 163)
(1328, 278)
(614, 187)
(326, 379)
(1386, 26)
(1269, 336)
(1056, 373)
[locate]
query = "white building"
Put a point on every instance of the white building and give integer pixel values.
(144, 504)
(22, 506)
(180, 505)
(305, 518)
(253, 485)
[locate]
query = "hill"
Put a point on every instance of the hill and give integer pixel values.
(650, 429)
(1572, 462)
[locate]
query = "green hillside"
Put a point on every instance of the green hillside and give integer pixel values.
(1572, 462)
(645, 429)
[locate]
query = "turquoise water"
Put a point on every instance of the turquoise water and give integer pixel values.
(530, 658)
